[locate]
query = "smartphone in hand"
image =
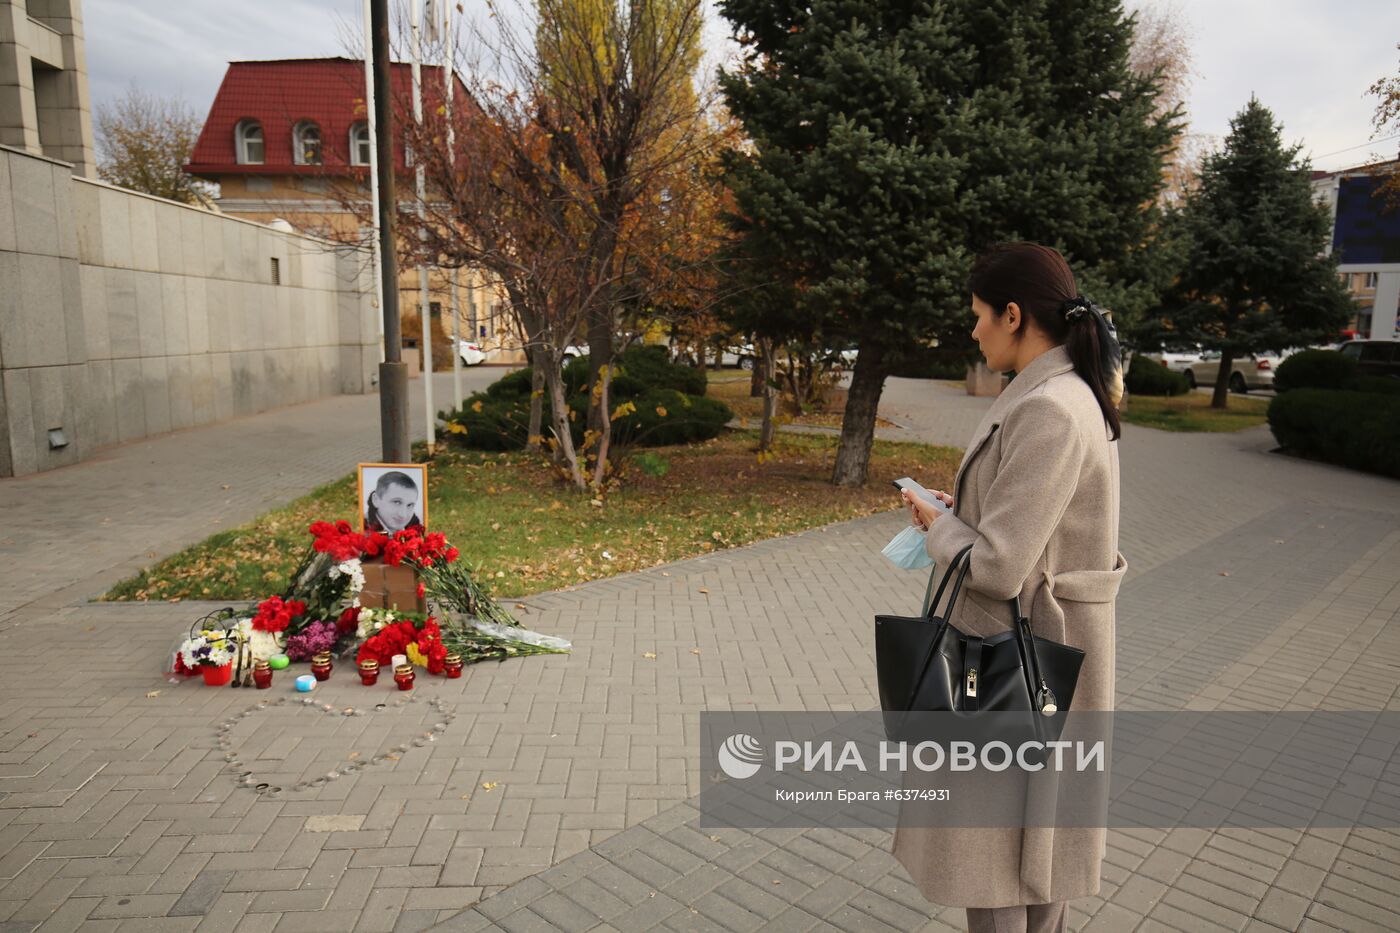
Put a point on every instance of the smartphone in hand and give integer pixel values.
(921, 492)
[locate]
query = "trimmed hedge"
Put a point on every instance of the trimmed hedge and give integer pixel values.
(1315, 369)
(1148, 377)
(499, 417)
(1360, 430)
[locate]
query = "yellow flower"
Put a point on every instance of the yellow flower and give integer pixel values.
(416, 657)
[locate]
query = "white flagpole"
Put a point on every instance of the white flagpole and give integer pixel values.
(374, 258)
(449, 57)
(424, 308)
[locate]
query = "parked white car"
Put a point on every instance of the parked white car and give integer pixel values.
(1255, 371)
(471, 353)
(1178, 361)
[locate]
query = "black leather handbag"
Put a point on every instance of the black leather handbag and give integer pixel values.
(925, 664)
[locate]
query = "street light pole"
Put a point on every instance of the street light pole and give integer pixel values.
(424, 304)
(393, 372)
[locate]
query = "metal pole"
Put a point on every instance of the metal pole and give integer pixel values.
(374, 258)
(393, 372)
(424, 309)
(447, 82)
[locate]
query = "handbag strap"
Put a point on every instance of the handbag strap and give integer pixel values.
(961, 558)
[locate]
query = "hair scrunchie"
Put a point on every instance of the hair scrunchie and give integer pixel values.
(1072, 309)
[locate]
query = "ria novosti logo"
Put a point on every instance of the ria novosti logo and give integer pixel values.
(740, 756)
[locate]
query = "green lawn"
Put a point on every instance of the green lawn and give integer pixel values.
(527, 533)
(1192, 412)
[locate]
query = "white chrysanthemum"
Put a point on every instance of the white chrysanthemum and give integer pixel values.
(264, 645)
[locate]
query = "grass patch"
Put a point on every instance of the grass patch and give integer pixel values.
(732, 388)
(1192, 412)
(527, 533)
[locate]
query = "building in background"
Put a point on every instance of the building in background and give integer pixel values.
(289, 141)
(1366, 242)
(44, 107)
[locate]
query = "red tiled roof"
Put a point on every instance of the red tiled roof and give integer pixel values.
(280, 94)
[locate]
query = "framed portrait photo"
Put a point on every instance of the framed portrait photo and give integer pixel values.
(393, 496)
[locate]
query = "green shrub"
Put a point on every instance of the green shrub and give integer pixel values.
(651, 365)
(932, 363)
(665, 416)
(1315, 369)
(652, 464)
(1148, 377)
(1381, 385)
(1360, 430)
(514, 384)
(485, 422)
(499, 417)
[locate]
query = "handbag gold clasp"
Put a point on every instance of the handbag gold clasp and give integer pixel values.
(971, 688)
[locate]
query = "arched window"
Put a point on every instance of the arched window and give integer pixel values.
(306, 143)
(248, 141)
(359, 144)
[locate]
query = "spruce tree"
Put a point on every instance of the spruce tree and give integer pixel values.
(1254, 277)
(893, 141)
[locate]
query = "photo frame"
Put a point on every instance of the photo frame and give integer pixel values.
(392, 496)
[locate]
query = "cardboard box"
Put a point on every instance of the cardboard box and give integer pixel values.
(388, 587)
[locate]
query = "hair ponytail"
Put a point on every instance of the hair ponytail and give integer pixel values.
(1038, 279)
(1092, 344)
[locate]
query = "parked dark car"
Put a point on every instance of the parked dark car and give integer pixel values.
(1374, 357)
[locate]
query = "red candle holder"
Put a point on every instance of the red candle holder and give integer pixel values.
(262, 675)
(403, 676)
(452, 665)
(321, 665)
(369, 672)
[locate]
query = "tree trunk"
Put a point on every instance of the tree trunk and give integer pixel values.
(538, 361)
(756, 375)
(600, 354)
(567, 457)
(858, 423)
(1221, 397)
(766, 370)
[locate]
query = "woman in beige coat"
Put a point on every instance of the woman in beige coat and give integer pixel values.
(1037, 498)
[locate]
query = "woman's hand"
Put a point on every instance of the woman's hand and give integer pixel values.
(924, 513)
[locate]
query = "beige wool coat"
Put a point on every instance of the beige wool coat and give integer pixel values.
(1037, 497)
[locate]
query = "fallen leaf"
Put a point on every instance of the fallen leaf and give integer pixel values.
(489, 785)
(714, 839)
(649, 655)
(519, 605)
(776, 881)
(694, 650)
(225, 486)
(703, 590)
(1224, 573)
(718, 536)
(151, 694)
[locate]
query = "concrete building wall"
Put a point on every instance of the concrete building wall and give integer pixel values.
(124, 316)
(44, 107)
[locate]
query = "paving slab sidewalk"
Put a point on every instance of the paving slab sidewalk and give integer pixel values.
(562, 796)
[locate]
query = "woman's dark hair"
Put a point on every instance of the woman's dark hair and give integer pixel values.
(1039, 281)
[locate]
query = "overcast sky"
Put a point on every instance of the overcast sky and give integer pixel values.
(1304, 59)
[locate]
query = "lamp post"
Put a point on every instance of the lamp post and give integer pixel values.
(415, 15)
(393, 372)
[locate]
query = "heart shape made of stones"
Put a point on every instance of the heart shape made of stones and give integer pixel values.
(235, 763)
